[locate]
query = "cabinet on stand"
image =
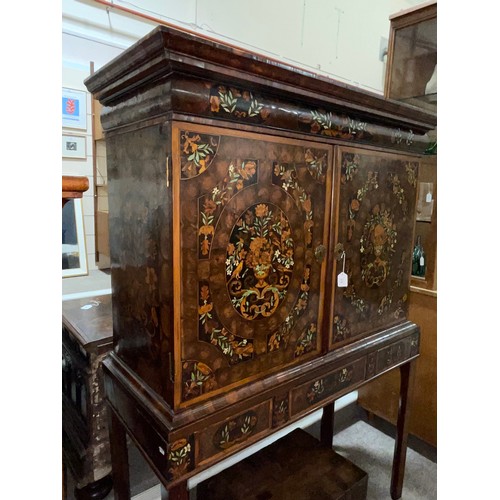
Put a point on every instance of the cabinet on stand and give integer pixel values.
(239, 189)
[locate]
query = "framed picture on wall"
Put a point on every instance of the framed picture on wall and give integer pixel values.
(74, 146)
(74, 254)
(74, 109)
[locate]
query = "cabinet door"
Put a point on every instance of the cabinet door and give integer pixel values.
(254, 218)
(377, 195)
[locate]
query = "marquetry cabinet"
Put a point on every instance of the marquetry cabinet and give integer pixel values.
(239, 189)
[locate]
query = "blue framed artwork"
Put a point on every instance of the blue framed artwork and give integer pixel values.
(74, 109)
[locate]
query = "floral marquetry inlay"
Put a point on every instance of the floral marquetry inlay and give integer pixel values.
(259, 261)
(234, 348)
(325, 386)
(238, 102)
(197, 152)
(235, 431)
(377, 245)
(307, 341)
(281, 411)
(316, 162)
(179, 458)
(285, 176)
(240, 174)
(280, 337)
(197, 378)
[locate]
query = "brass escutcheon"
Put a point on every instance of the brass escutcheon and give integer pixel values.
(320, 253)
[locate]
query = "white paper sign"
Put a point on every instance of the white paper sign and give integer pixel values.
(342, 280)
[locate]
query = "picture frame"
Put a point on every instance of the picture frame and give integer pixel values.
(74, 253)
(74, 146)
(74, 109)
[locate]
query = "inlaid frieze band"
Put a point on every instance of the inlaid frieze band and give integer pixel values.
(243, 105)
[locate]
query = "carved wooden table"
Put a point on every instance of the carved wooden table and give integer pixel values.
(87, 338)
(239, 189)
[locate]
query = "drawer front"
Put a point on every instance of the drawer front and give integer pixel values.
(396, 353)
(234, 433)
(311, 393)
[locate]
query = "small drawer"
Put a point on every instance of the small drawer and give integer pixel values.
(396, 353)
(315, 391)
(233, 433)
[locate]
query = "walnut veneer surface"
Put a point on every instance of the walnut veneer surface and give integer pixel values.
(239, 188)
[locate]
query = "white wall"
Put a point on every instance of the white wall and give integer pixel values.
(338, 38)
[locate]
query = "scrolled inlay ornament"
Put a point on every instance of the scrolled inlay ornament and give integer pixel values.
(259, 261)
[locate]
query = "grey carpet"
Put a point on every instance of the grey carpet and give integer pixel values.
(372, 451)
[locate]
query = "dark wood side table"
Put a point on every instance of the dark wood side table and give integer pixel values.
(87, 337)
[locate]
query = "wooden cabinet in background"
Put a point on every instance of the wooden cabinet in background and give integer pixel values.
(381, 396)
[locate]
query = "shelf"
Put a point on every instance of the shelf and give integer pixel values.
(425, 101)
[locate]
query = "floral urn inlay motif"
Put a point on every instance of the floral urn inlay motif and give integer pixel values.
(377, 245)
(259, 261)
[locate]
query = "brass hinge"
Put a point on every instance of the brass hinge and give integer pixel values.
(170, 367)
(168, 170)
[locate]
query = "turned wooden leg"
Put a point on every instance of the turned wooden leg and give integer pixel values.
(119, 457)
(327, 421)
(178, 492)
(407, 372)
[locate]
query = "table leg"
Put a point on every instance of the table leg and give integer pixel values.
(327, 421)
(407, 372)
(178, 492)
(119, 457)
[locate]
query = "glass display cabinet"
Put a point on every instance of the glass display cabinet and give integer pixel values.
(412, 57)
